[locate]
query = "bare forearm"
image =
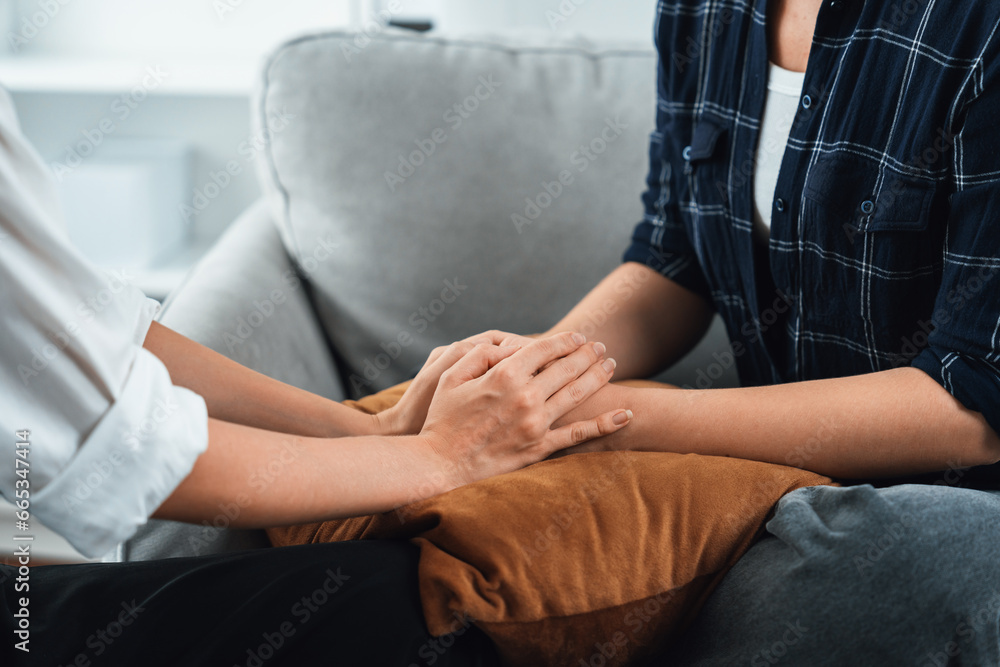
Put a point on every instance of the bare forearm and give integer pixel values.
(646, 321)
(869, 426)
(492, 413)
(277, 479)
(239, 395)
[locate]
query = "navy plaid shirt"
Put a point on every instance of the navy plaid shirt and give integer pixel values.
(885, 238)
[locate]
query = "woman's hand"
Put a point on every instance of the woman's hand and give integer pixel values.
(408, 415)
(494, 408)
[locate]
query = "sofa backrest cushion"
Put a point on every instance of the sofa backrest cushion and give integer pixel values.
(432, 188)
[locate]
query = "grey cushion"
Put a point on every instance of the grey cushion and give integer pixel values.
(422, 196)
(245, 300)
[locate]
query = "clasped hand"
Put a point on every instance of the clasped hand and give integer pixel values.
(486, 405)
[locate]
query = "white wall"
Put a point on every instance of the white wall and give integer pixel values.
(214, 128)
(629, 20)
(173, 28)
(159, 34)
(238, 28)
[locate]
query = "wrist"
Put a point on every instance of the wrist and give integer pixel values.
(389, 422)
(341, 421)
(452, 470)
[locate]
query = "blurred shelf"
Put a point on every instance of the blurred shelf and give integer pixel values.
(200, 78)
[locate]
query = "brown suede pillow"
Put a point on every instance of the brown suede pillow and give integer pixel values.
(598, 557)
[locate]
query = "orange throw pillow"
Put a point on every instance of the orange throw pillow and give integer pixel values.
(600, 558)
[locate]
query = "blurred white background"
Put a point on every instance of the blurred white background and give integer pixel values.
(139, 105)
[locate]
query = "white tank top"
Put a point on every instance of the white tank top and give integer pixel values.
(784, 89)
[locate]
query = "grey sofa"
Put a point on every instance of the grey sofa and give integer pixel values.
(418, 190)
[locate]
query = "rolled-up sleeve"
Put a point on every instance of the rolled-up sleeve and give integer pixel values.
(661, 241)
(137, 454)
(964, 346)
(110, 436)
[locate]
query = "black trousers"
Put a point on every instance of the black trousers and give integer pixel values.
(349, 603)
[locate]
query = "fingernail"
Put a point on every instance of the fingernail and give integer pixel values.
(622, 418)
(579, 339)
(600, 349)
(609, 365)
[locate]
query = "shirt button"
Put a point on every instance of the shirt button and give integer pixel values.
(687, 153)
(779, 204)
(807, 102)
(836, 5)
(867, 207)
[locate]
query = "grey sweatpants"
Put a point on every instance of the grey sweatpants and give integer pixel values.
(907, 575)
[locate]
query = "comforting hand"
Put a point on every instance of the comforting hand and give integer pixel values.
(494, 407)
(407, 417)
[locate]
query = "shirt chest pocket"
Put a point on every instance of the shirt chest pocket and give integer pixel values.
(706, 167)
(872, 247)
(851, 191)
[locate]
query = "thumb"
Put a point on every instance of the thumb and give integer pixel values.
(583, 436)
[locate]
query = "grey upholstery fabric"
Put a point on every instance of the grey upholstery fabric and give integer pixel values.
(398, 266)
(245, 300)
(414, 153)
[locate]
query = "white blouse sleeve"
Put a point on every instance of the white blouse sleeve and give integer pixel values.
(111, 436)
